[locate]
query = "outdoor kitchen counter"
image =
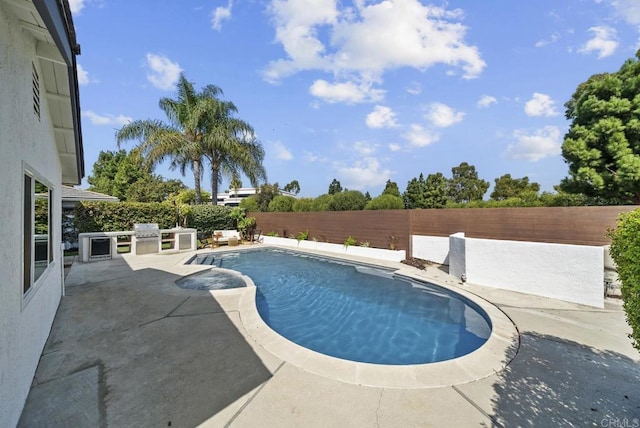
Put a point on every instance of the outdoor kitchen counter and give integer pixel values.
(92, 244)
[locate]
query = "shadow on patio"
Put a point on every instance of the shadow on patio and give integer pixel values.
(558, 382)
(138, 351)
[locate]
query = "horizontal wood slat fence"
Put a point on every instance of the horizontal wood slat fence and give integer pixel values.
(375, 227)
(563, 225)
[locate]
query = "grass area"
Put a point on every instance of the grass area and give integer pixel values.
(73, 252)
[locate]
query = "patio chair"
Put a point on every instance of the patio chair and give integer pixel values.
(256, 236)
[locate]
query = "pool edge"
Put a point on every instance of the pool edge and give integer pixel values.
(491, 358)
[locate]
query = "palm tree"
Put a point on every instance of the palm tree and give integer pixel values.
(230, 146)
(235, 184)
(182, 138)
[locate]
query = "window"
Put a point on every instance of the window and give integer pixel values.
(37, 241)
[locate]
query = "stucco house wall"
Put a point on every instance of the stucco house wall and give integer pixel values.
(27, 143)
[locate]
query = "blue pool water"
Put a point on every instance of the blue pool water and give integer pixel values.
(359, 313)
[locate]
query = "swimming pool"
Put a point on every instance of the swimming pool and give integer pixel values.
(358, 312)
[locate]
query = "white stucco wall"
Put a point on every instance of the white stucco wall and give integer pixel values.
(353, 250)
(573, 273)
(433, 248)
(457, 255)
(24, 325)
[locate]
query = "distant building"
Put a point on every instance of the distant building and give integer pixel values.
(233, 197)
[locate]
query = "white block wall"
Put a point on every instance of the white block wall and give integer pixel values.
(353, 250)
(457, 258)
(24, 324)
(573, 273)
(433, 248)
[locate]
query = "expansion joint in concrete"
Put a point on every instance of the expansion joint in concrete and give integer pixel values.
(494, 422)
(255, 394)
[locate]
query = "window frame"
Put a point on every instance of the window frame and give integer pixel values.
(29, 285)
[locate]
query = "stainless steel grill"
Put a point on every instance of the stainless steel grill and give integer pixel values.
(147, 238)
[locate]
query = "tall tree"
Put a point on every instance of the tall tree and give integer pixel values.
(602, 146)
(105, 169)
(230, 144)
(334, 187)
(265, 195)
(235, 184)
(391, 188)
(464, 185)
(293, 187)
(154, 188)
(506, 187)
(129, 178)
(181, 139)
(435, 191)
(415, 193)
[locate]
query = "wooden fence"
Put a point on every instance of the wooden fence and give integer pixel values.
(384, 229)
(379, 228)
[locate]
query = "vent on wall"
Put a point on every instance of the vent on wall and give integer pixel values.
(35, 80)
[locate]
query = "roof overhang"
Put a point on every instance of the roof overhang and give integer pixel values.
(50, 23)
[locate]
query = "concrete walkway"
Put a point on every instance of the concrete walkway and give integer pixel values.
(130, 349)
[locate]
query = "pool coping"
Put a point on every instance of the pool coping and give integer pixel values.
(492, 357)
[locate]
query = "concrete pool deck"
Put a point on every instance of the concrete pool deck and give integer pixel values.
(129, 348)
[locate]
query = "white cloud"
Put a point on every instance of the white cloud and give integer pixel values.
(551, 40)
(628, 10)
(420, 137)
(282, 152)
(486, 100)
(164, 73)
(365, 149)
(603, 42)
(381, 117)
(395, 147)
(534, 146)
(221, 14)
(443, 116)
(83, 76)
(361, 43)
(314, 158)
(414, 88)
(345, 92)
(76, 6)
(107, 119)
(540, 105)
(363, 174)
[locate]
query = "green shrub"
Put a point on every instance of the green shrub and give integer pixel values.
(113, 217)
(250, 204)
(385, 202)
(322, 203)
(349, 200)
(625, 250)
(207, 218)
(303, 236)
(350, 241)
(282, 204)
(303, 205)
(246, 226)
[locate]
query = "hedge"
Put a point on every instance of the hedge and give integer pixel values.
(625, 250)
(120, 216)
(207, 218)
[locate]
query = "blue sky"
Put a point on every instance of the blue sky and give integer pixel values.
(363, 90)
